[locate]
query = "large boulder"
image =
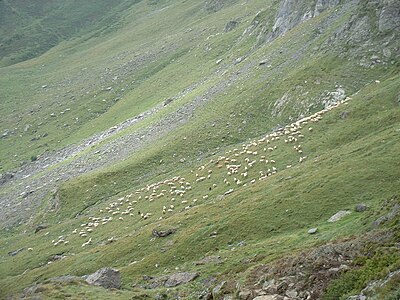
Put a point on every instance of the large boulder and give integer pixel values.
(106, 277)
(338, 216)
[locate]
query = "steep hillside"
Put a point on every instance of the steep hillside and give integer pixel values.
(201, 148)
(28, 29)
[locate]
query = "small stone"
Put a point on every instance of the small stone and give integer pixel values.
(40, 227)
(291, 294)
(361, 207)
(270, 286)
(13, 253)
(312, 230)
(244, 295)
(343, 115)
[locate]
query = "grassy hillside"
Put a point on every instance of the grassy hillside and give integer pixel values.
(344, 164)
(173, 119)
(30, 29)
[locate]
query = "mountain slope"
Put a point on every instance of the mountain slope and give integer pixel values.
(115, 118)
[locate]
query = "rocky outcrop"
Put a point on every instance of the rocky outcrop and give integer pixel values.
(323, 5)
(163, 233)
(180, 278)
(105, 277)
(213, 5)
(231, 25)
(389, 17)
(293, 12)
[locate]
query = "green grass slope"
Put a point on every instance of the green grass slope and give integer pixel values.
(348, 162)
(30, 29)
(225, 163)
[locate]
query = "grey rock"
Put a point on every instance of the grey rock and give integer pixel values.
(338, 216)
(238, 60)
(388, 217)
(291, 294)
(13, 253)
(29, 291)
(245, 295)
(6, 177)
(231, 25)
(389, 18)
(322, 5)
(164, 233)
(105, 277)
(57, 257)
(380, 221)
(161, 296)
(270, 286)
(213, 5)
(217, 291)
(168, 101)
(180, 278)
(241, 244)
(361, 207)
(312, 230)
(343, 115)
(387, 53)
(40, 227)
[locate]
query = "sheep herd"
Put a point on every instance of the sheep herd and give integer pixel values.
(221, 176)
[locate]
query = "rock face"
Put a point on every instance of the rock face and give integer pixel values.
(293, 12)
(322, 5)
(105, 277)
(389, 17)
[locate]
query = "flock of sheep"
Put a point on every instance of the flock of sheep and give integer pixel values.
(222, 175)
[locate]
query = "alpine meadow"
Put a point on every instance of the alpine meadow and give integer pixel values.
(209, 149)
